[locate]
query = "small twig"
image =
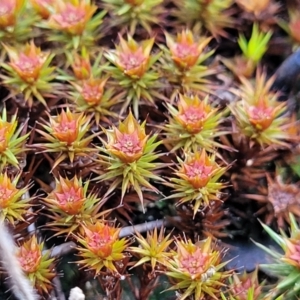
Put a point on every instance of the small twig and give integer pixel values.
(63, 249)
(130, 230)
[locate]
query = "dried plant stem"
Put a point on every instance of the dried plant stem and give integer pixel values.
(63, 249)
(18, 282)
(130, 230)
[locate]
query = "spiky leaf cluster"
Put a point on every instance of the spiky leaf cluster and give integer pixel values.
(131, 14)
(71, 206)
(66, 135)
(132, 69)
(37, 264)
(252, 53)
(73, 23)
(100, 247)
(259, 115)
(183, 63)
(153, 249)
(89, 88)
(285, 266)
(213, 15)
(197, 180)
(28, 73)
(16, 21)
(196, 270)
(13, 202)
(129, 158)
(193, 124)
(12, 141)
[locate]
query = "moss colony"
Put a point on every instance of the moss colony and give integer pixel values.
(140, 138)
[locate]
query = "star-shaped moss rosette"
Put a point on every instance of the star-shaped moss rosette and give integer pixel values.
(12, 140)
(197, 181)
(130, 14)
(244, 286)
(129, 158)
(133, 72)
(71, 206)
(93, 97)
(195, 270)
(183, 63)
(79, 66)
(13, 204)
(28, 73)
(259, 8)
(292, 26)
(82, 65)
(89, 89)
(37, 265)
(74, 23)
(214, 15)
(10, 8)
(67, 135)
(193, 123)
(286, 265)
(43, 7)
(100, 247)
(154, 249)
(16, 21)
(259, 115)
